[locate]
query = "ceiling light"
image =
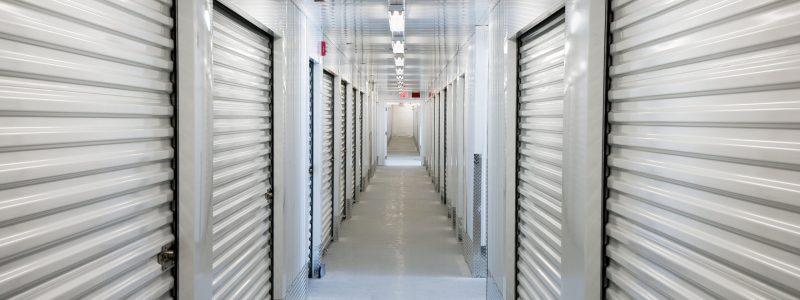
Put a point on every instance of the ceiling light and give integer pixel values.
(398, 47)
(397, 21)
(399, 61)
(399, 70)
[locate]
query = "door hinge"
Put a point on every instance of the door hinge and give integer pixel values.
(166, 258)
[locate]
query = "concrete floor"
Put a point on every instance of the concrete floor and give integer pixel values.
(398, 244)
(402, 151)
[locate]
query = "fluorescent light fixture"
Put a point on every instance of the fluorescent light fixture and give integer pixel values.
(399, 70)
(398, 47)
(399, 61)
(397, 21)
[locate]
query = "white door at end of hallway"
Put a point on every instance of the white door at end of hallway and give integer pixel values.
(402, 119)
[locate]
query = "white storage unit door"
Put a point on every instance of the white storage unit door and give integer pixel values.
(86, 149)
(539, 154)
(242, 159)
(442, 143)
(360, 136)
(327, 159)
(704, 184)
(342, 160)
(354, 147)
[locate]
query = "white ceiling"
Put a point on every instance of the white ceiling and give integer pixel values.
(434, 31)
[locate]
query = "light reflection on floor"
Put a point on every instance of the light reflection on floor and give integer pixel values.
(398, 244)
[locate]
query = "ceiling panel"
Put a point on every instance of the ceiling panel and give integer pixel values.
(434, 31)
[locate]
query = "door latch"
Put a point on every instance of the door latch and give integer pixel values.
(166, 258)
(269, 196)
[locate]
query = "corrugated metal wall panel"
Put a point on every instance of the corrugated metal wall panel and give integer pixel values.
(242, 159)
(353, 137)
(327, 160)
(86, 149)
(362, 136)
(445, 146)
(539, 160)
(440, 141)
(705, 150)
(342, 137)
(359, 140)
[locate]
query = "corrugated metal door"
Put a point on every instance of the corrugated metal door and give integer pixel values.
(357, 140)
(342, 138)
(86, 156)
(327, 159)
(353, 141)
(242, 159)
(539, 154)
(443, 145)
(361, 143)
(704, 184)
(438, 155)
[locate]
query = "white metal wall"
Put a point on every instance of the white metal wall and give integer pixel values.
(327, 159)
(242, 161)
(86, 153)
(366, 150)
(704, 150)
(539, 160)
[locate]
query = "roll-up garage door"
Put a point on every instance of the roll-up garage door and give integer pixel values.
(442, 143)
(353, 140)
(327, 159)
(361, 142)
(539, 154)
(342, 138)
(437, 119)
(704, 184)
(242, 159)
(357, 141)
(86, 150)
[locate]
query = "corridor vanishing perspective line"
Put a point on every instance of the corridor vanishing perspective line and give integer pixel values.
(398, 244)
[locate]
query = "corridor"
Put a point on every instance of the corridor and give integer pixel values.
(399, 149)
(398, 244)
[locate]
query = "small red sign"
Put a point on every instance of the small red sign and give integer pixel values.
(415, 94)
(322, 48)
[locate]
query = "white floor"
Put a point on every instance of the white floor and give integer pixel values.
(398, 244)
